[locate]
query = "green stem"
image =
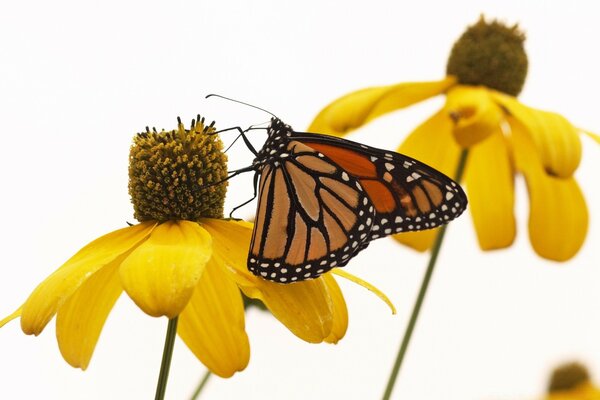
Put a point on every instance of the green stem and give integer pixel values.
(163, 376)
(421, 296)
(201, 385)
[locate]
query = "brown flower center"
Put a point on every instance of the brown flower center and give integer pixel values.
(175, 175)
(568, 377)
(490, 54)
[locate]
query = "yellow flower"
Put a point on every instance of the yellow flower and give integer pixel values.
(486, 70)
(572, 382)
(182, 259)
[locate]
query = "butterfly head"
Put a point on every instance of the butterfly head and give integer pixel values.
(278, 127)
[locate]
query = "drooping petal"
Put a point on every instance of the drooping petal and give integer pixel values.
(340, 311)
(432, 143)
(475, 113)
(593, 136)
(42, 304)
(490, 186)
(15, 314)
(160, 275)
(231, 243)
(80, 319)
(305, 308)
(558, 218)
(366, 285)
(357, 108)
(418, 240)
(212, 324)
(556, 140)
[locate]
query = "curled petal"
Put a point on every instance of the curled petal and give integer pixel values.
(489, 181)
(15, 314)
(357, 108)
(366, 285)
(212, 324)
(557, 141)
(474, 112)
(340, 311)
(42, 304)
(80, 319)
(160, 275)
(433, 144)
(558, 218)
(305, 308)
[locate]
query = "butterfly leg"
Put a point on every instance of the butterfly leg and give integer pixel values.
(242, 135)
(246, 202)
(232, 174)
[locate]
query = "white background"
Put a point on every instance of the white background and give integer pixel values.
(78, 79)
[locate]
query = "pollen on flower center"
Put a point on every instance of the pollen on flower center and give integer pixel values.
(490, 54)
(567, 377)
(173, 175)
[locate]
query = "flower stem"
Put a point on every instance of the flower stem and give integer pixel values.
(437, 244)
(201, 385)
(161, 386)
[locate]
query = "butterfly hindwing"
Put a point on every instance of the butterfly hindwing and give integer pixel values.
(312, 216)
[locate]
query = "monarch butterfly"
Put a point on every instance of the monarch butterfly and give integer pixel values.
(323, 199)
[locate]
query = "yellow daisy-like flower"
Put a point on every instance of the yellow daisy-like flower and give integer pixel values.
(182, 259)
(486, 70)
(572, 382)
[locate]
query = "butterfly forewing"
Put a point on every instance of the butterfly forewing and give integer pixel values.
(407, 194)
(312, 216)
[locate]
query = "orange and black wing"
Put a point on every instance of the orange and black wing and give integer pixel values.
(407, 194)
(312, 215)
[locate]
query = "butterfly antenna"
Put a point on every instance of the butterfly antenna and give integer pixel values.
(241, 102)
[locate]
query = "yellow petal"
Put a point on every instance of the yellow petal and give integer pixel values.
(12, 316)
(160, 275)
(418, 240)
(593, 136)
(475, 113)
(558, 218)
(555, 139)
(212, 324)
(43, 302)
(489, 181)
(366, 285)
(357, 108)
(231, 241)
(433, 144)
(340, 311)
(80, 319)
(583, 391)
(305, 308)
